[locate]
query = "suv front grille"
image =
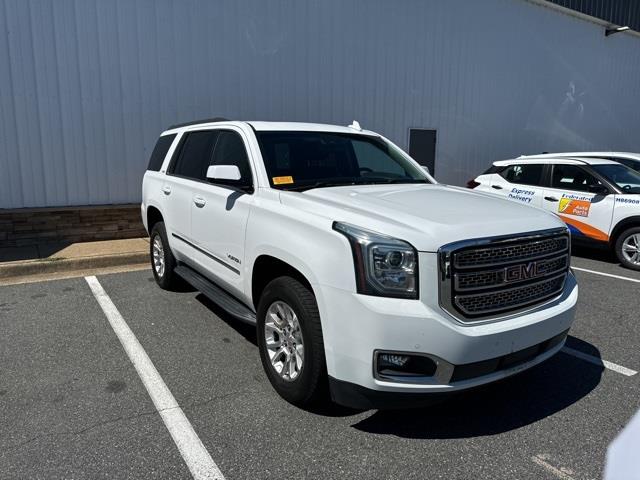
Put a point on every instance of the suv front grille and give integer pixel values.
(497, 277)
(492, 277)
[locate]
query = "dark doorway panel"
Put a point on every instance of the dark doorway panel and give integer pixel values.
(422, 147)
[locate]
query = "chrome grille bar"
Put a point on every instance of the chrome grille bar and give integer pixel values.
(487, 257)
(519, 296)
(496, 277)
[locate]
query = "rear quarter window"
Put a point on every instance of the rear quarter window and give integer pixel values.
(493, 169)
(524, 174)
(160, 152)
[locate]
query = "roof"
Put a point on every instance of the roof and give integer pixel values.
(556, 160)
(305, 127)
(198, 122)
(625, 155)
(273, 126)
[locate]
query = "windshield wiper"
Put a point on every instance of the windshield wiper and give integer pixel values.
(406, 180)
(324, 184)
(309, 186)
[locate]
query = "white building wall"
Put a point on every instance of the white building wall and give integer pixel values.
(86, 86)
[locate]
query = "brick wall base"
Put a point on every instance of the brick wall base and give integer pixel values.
(29, 226)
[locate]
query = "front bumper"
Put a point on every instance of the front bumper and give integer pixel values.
(354, 326)
(356, 396)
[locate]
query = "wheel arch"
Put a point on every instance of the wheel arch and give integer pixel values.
(621, 226)
(267, 267)
(153, 216)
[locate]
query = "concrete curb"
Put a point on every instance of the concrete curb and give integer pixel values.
(44, 266)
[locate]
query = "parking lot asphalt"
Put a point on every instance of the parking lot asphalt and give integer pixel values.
(73, 405)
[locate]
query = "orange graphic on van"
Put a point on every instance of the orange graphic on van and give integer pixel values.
(580, 228)
(571, 206)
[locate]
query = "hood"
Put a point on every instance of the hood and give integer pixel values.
(427, 216)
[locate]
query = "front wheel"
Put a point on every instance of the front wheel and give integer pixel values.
(290, 341)
(627, 248)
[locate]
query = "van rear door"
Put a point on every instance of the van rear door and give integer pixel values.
(520, 182)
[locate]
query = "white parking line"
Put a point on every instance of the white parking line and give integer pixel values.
(193, 452)
(562, 473)
(619, 277)
(600, 362)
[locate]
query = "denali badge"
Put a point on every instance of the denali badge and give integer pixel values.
(525, 271)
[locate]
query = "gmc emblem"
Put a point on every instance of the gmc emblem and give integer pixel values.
(524, 271)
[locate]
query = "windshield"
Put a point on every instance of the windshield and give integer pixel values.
(626, 179)
(303, 160)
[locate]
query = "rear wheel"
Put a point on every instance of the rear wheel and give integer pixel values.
(163, 262)
(290, 341)
(627, 248)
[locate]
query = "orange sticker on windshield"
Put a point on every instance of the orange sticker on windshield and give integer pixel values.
(282, 180)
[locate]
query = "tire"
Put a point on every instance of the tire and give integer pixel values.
(625, 242)
(165, 277)
(309, 386)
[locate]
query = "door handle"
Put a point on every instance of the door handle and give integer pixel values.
(497, 187)
(166, 190)
(551, 199)
(199, 201)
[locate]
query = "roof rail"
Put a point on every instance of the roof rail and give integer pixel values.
(196, 122)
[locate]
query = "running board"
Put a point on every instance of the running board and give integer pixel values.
(217, 295)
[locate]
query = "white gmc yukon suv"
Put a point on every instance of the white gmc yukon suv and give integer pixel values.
(365, 278)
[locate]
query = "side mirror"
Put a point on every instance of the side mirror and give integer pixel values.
(426, 169)
(223, 172)
(598, 189)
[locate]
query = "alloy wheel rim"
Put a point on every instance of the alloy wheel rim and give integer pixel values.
(283, 339)
(631, 248)
(158, 256)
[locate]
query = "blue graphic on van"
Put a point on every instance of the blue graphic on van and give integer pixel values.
(574, 231)
(632, 201)
(522, 195)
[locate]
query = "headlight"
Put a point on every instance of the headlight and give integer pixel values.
(385, 266)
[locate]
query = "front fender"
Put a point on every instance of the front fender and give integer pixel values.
(309, 245)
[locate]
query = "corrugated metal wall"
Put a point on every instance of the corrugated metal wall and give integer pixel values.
(87, 85)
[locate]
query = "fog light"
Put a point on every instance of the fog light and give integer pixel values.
(389, 359)
(393, 365)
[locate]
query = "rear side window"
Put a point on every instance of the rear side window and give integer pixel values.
(160, 152)
(195, 154)
(523, 174)
(230, 151)
(492, 169)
